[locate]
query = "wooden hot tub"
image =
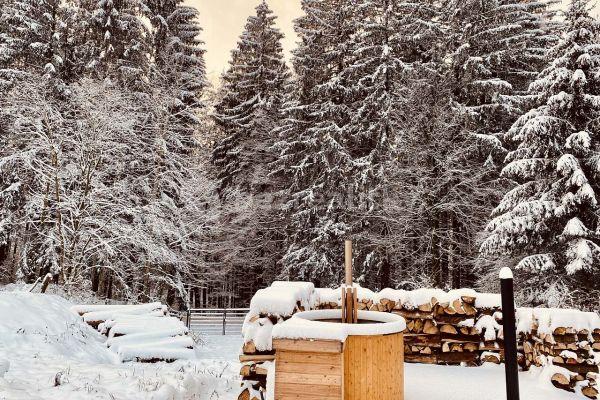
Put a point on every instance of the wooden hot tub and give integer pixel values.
(320, 358)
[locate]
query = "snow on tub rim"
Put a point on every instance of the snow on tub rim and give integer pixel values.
(322, 325)
(318, 358)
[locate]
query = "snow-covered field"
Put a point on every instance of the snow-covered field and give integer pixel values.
(53, 355)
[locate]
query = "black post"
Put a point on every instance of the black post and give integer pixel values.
(510, 334)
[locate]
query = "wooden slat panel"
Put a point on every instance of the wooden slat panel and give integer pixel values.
(284, 389)
(310, 358)
(374, 367)
(308, 376)
(315, 346)
(286, 366)
(310, 379)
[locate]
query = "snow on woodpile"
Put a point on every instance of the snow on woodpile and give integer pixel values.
(143, 332)
(566, 342)
(283, 298)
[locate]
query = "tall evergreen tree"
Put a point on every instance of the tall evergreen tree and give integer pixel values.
(316, 157)
(550, 218)
(247, 239)
(253, 88)
(118, 40)
(377, 80)
(31, 35)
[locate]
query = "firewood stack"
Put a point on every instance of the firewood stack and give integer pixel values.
(268, 307)
(576, 352)
(255, 357)
(439, 332)
(573, 382)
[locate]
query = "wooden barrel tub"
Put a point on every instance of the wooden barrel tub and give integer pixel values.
(319, 358)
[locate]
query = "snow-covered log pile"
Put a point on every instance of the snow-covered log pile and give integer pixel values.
(144, 332)
(569, 340)
(268, 307)
(455, 327)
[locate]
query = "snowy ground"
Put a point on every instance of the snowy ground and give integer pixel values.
(53, 355)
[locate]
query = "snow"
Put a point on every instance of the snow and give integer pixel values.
(548, 319)
(53, 340)
(259, 332)
(488, 300)
(45, 343)
(270, 379)
(327, 295)
(308, 325)
(488, 325)
(506, 273)
(281, 298)
(485, 382)
(4, 367)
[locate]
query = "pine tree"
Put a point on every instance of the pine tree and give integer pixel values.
(550, 218)
(253, 88)
(118, 40)
(499, 48)
(315, 150)
(376, 78)
(30, 38)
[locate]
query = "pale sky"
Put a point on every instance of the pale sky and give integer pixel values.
(223, 22)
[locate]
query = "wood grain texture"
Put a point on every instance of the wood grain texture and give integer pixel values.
(309, 370)
(374, 367)
(362, 368)
(312, 346)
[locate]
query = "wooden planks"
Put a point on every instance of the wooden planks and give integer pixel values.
(364, 368)
(374, 367)
(314, 346)
(309, 375)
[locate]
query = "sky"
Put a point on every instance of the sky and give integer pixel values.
(223, 22)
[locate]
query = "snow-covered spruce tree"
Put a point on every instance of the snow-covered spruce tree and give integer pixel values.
(253, 88)
(179, 63)
(489, 49)
(30, 39)
(499, 47)
(247, 241)
(316, 160)
(550, 218)
(377, 79)
(117, 40)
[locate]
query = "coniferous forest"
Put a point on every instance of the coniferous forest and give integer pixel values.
(446, 138)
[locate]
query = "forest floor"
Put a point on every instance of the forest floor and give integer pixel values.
(56, 356)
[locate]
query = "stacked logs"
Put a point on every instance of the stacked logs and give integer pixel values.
(437, 332)
(576, 352)
(441, 332)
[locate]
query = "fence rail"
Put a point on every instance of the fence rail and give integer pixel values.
(216, 321)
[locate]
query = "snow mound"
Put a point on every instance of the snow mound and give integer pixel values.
(45, 323)
(282, 298)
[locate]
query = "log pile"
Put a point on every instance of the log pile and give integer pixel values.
(574, 350)
(586, 384)
(142, 332)
(442, 328)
